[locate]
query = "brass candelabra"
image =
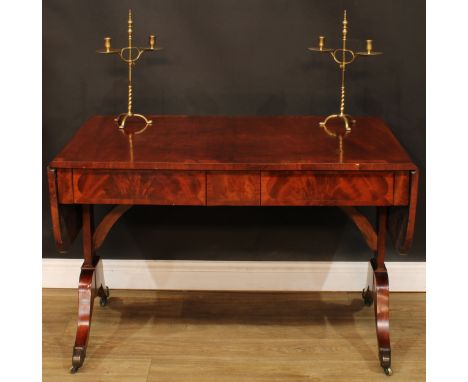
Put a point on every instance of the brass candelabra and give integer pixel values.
(130, 55)
(343, 57)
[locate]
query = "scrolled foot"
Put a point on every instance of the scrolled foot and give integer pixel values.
(122, 121)
(119, 118)
(388, 371)
(350, 119)
(78, 357)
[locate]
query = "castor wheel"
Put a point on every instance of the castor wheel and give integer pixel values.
(388, 371)
(367, 297)
(79, 354)
(368, 301)
(104, 299)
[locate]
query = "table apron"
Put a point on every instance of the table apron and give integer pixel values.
(231, 188)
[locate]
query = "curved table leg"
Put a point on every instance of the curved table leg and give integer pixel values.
(90, 286)
(377, 292)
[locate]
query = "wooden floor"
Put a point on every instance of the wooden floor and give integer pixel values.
(220, 336)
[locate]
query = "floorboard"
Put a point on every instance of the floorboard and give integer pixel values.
(233, 336)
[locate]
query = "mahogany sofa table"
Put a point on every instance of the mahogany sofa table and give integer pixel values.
(232, 161)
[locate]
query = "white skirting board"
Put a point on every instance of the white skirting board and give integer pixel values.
(235, 275)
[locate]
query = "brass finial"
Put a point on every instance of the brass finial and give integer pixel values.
(130, 22)
(345, 23)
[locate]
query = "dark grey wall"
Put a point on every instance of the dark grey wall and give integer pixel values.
(234, 57)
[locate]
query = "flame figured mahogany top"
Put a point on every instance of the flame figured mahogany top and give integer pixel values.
(175, 142)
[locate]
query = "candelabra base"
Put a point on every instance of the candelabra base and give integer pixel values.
(121, 119)
(348, 120)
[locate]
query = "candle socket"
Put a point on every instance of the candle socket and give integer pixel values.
(107, 44)
(369, 46)
(152, 41)
(321, 42)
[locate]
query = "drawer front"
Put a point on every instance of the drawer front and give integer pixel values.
(233, 188)
(308, 188)
(139, 187)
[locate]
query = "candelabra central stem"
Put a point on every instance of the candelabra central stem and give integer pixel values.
(342, 101)
(130, 63)
(343, 65)
(130, 89)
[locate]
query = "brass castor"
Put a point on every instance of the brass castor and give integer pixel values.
(367, 297)
(78, 357)
(388, 371)
(104, 300)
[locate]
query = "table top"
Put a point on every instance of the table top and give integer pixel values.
(175, 142)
